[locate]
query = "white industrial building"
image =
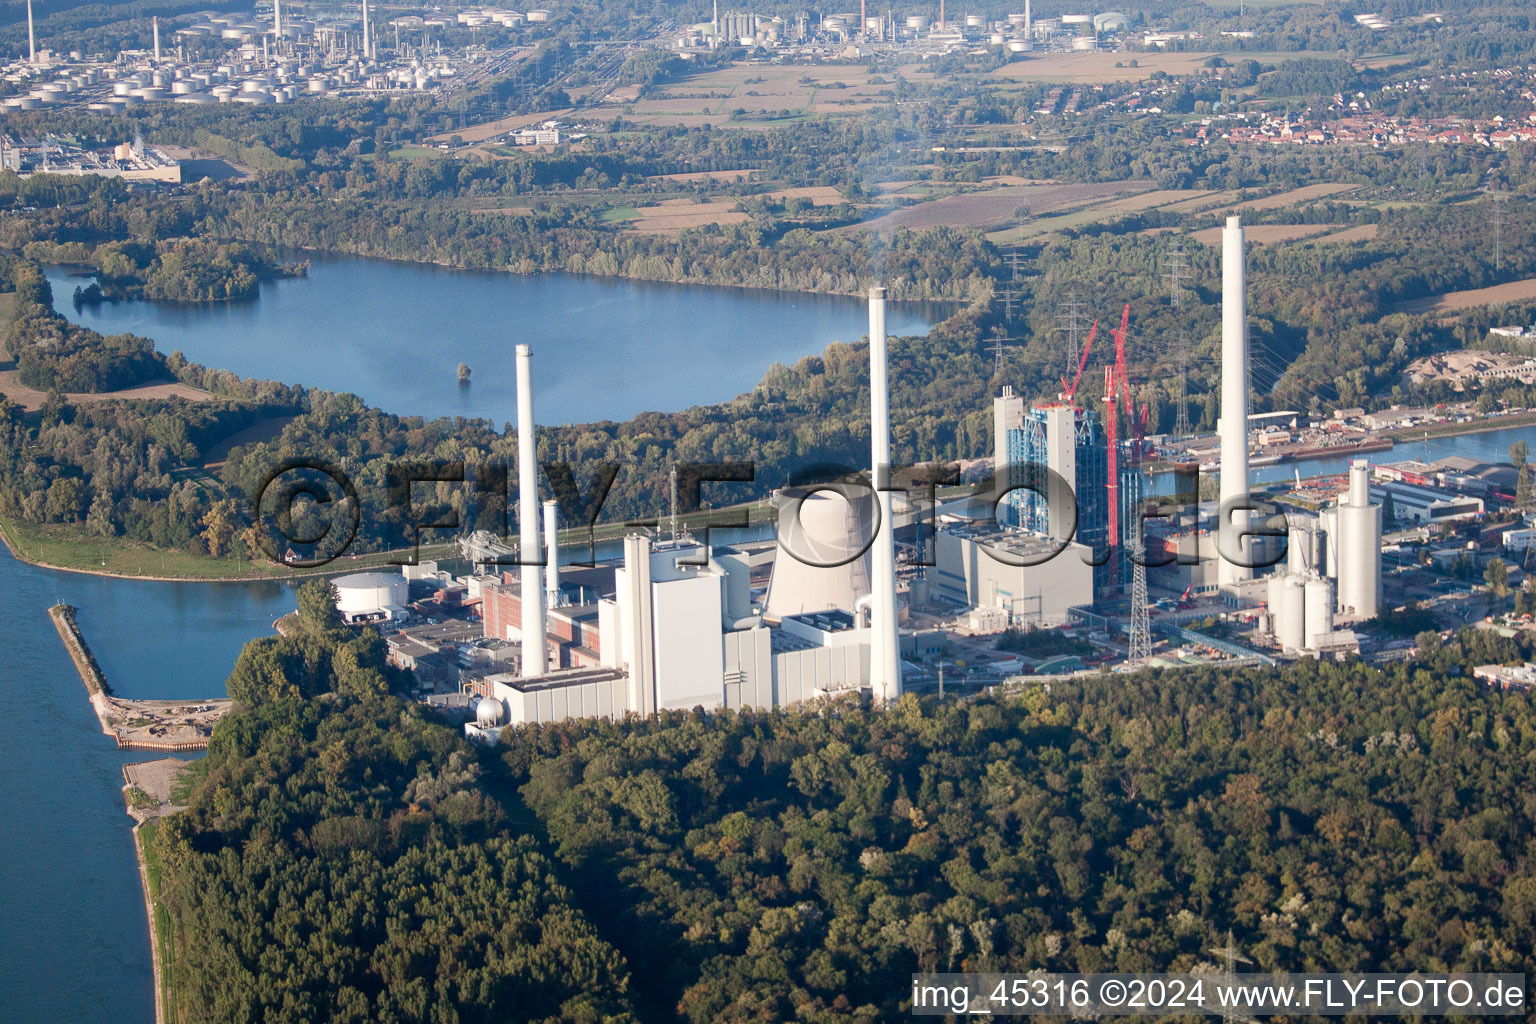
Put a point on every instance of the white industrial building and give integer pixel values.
(1030, 578)
(1332, 571)
(1413, 503)
(680, 629)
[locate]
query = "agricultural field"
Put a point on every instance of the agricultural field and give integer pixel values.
(1095, 213)
(695, 176)
(1305, 194)
(491, 129)
(991, 208)
(1449, 302)
(818, 195)
(746, 94)
(674, 215)
(1359, 233)
(1264, 234)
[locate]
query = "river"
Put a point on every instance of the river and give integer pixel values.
(74, 943)
(395, 333)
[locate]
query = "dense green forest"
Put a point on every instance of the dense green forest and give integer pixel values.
(345, 858)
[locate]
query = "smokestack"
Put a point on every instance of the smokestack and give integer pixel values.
(1234, 396)
(884, 655)
(156, 23)
(31, 37)
(277, 22)
(528, 520)
(1029, 25)
(367, 45)
(552, 554)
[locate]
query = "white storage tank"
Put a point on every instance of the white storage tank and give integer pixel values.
(917, 22)
(1328, 519)
(975, 21)
(538, 14)
(1319, 610)
(371, 596)
(1291, 617)
(1018, 46)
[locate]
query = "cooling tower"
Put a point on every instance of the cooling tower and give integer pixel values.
(823, 558)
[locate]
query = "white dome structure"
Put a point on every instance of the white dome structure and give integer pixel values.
(490, 713)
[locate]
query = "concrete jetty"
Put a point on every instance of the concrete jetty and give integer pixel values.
(169, 726)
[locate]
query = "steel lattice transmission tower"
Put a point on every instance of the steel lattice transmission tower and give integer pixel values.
(1071, 318)
(1011, 295)
(1141, 623)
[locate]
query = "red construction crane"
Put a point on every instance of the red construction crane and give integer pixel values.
(1071, 389)
(1117, 393)
(1112, 429)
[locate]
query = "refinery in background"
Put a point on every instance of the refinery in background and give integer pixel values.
(275, 55)
(1042, 573)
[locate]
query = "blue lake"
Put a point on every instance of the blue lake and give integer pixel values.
(395, 333)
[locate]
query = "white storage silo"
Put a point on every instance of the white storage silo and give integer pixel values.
(1291, 616)
(1328, 519)
(1359, 547)
(1319, 610)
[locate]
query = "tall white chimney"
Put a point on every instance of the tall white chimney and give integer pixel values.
(1029, 27)
(884, 654)
(31, 37)
(1234, 398)
(156, 23)
(551, 554)
(528, 520)
(277, 22)
(367, 44)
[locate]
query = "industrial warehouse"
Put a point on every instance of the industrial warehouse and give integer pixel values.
(840, 600)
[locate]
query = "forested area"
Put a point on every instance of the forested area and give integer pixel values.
(345, 856)
(52, 354)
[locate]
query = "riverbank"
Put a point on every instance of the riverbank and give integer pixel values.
(155, 916)
(68, 549)
(1406, 436)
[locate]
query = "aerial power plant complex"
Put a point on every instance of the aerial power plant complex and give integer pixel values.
(677, 623)
(677, 627)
